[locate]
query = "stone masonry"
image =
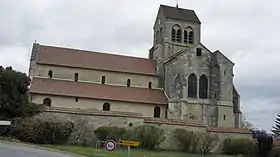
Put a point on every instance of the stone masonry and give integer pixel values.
(177, 58)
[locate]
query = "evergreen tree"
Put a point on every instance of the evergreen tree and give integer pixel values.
(276, 129)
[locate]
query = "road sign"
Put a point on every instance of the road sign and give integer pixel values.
(4, 122)
(110, 145)
(128, 143)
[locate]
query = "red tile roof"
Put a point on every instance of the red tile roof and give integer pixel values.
(95, 60)
(97, 91)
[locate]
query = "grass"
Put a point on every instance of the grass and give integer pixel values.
(90, 152)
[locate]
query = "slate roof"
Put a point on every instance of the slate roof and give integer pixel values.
(48, 86)
(179, 14)
(74, 58)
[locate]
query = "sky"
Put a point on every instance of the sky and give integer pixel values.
(247, 32)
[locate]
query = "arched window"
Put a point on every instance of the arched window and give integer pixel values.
(185, 36)
(128, 83)
(47, 102)
(103, 79)
(173, 35)
(150, 85)
(157, 112)
(76, 77)
(192, 86)
(203, 87)
(178, 35)
(190, 37)
(50, 73)
(106, 106)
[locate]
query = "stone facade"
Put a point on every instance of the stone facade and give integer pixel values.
(95, 76)
(198, 83)
(146, 110)
(178, 58)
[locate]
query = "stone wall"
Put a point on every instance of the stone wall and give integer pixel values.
(95, 119)
(95, 104)
(95, 76)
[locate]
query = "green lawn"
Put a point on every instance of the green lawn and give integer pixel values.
(90, 152)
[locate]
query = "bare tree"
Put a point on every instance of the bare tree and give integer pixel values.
(245, 124)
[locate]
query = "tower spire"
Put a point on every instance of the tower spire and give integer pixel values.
(177, 4)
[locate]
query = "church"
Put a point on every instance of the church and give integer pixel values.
(180, 79)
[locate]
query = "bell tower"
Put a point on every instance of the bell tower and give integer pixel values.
(175, 29)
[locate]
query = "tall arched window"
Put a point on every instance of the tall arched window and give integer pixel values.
(188, 35)
(47, 102)
(173, 35)
(50, 74)
(128, 83)
(185, 36)
(203, 87)
(192, 86)
(157, 112)
(176, 33)
(106, 106)
(103, 79)
(190, 40)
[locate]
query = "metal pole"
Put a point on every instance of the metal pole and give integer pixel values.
(128, 151)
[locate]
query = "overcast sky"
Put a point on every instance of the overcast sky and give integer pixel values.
(246, 31)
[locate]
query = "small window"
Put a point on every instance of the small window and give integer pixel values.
(198, 52)
(47, 102)
(150, 85)
(76, 76)
(224, 117)
(225, 72)
(157, 112)
(106, 106)
(50, 74)
(76, 99)
(103, 79)
(215, 96)
(128, 83)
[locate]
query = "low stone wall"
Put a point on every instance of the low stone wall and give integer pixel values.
(95, 119)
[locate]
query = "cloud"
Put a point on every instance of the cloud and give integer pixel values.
(245, 31)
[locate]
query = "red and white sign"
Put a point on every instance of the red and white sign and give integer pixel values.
(111, 145)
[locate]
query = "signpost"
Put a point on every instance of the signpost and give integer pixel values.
(128, 144)
(5, 123)
(110, 145)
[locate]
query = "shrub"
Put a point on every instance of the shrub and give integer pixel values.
(237, 146)
(185, 138)
(40, 131)
(105, 133)
(149, 136)
(102, 133)
(195, 142)
(206, 142)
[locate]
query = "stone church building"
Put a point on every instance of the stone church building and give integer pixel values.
(181, 79)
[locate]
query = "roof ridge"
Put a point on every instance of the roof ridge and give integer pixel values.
(176, 7)
(89, 51)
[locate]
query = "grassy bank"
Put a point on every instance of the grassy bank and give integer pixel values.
(90, 152)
